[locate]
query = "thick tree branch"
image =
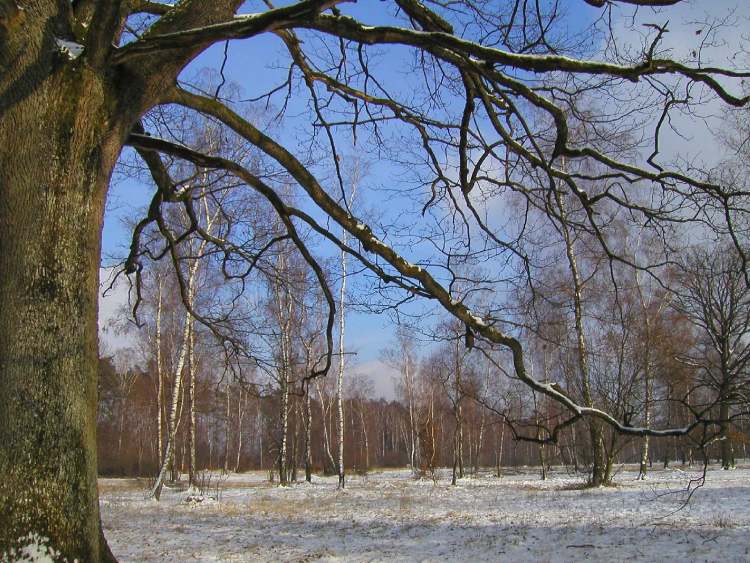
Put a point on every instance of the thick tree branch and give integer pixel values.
(241, 27)
(439, 42)
(371, 243)
(148, 7)
(148, 143)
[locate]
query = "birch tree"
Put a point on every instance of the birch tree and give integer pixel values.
(184, 349)
(402, 356)
(354, 176)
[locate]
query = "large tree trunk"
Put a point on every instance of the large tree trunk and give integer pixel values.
(58, 146)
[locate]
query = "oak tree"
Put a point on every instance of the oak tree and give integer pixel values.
(78, 78)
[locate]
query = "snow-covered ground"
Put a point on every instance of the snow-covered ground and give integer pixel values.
(390, 516)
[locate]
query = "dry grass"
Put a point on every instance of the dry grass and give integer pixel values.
(723, 521)
(121, 485)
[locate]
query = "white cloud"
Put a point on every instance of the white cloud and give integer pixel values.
(700, 34)
(382, 376)
(114, 333)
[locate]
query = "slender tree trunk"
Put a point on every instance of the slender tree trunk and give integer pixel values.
(121, 428)
(172, 419)
(643, 467)
(574, 448)
(177, 382)
(227, 426)
(480, 443)
(412, 422)
(595, 428)
(323, 419)
(240, 416)
(454, 474)
(159, 378)
(542, 463)
(433, 445)
(364, 438)
(308, 437)
(284, 427)
(183, 451)
(285, 367)
(259, 426)
(342, 323)
(295, 443)
(458, 435)
(610, 458)
(727, 451)
(340, 379)
(191, 385)
(499, 459)
(174, 473)
(647, 375)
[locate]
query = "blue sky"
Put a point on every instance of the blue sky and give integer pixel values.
(251, 63)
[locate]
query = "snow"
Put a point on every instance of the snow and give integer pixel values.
(33, 547)
(70, 49)
(390, 515)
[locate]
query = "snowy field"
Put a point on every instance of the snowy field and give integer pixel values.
(390, 516)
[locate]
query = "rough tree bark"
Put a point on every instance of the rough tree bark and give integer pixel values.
(53, 183)
(64, 121)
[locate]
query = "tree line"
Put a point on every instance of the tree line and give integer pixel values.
(653, 359)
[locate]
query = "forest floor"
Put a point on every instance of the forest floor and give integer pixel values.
(391, 516)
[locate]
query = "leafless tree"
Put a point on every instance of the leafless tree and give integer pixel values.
(717, 300)
(80, 80)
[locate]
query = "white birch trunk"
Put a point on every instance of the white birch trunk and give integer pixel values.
(226, 427)
(240, 416)
(340, 380)
(308, 437)
(326, 437)
(597, 443)
(177, 382)
(191, 385)
(159, 380)
(172, 421)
